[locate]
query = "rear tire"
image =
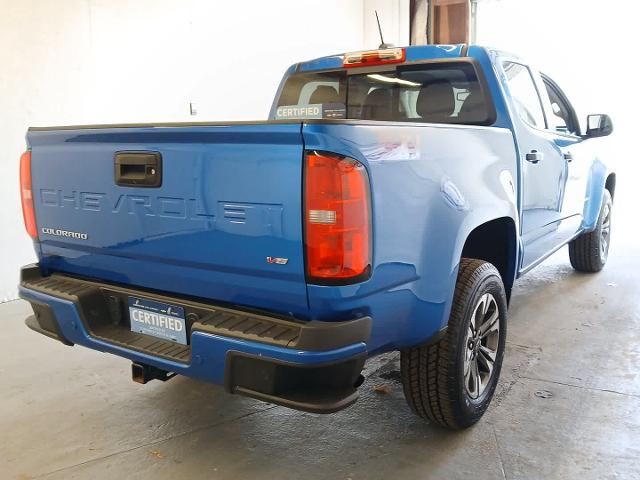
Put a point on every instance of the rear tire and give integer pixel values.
(589, 252)
(437, 377)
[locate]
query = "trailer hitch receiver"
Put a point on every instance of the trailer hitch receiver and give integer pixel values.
(143, 373)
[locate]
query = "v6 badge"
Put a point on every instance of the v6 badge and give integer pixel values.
(277, 260)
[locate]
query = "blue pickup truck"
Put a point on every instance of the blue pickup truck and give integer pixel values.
(389, 203)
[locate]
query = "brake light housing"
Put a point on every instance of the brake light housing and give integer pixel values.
(26, 195)
(337, 209)
(374, 57)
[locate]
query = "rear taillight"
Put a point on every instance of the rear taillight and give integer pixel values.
(337, 219)
(27, 195)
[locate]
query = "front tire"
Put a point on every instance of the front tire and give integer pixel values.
(451, 382)
(589, 252)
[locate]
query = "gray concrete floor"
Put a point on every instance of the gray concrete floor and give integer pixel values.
(568, 404)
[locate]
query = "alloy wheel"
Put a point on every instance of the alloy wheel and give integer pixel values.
(481, 345)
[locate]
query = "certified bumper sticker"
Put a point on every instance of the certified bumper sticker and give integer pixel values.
(157, 319)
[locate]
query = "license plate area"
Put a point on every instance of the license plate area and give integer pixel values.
(157, 319)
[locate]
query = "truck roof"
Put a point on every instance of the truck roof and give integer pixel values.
(413, 53)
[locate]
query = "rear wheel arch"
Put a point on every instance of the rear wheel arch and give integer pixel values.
(495, 241)
(610, 184)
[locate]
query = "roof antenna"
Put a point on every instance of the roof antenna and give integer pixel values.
(382, 44)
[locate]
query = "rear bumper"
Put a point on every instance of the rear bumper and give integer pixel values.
(311, 366)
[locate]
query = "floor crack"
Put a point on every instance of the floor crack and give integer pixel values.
(537, 348)
(495, 437)
(573, 385)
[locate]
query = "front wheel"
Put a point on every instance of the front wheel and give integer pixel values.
(451, 382)
(589, 251)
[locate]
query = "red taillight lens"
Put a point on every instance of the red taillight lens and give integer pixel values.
(337, 219)
(27, 195)
(374, 57)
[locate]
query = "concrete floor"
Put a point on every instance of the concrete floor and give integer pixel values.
(568, 405)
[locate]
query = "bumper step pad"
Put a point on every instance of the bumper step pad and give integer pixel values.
(104, 312)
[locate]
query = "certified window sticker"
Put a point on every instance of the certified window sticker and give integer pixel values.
(311, 111)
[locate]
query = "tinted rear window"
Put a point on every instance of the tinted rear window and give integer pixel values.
(435, 93)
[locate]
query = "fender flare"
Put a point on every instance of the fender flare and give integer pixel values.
(596, 186)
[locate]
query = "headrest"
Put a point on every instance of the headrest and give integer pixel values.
(474, 108)
(377, 105)
(324, 94)
(436, 101)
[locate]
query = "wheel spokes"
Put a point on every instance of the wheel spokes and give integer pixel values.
(477, 318)
(481, 344)
(474, 379)
(486, 359)
(605, 230)
(484, 301)
(490, 325)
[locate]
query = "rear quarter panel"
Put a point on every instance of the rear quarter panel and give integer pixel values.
(431, 185)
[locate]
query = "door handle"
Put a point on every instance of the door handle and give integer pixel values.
(534, 156)
(138, 169)
(567, 156)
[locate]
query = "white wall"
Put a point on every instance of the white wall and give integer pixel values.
(394, 20)
(585, 45)
(588, 47)
(103, 61)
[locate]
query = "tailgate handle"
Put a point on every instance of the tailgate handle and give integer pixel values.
(138, 169)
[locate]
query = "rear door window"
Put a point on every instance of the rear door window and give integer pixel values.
(442, 92)
(524, 94)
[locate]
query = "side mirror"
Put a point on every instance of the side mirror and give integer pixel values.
(599, 125)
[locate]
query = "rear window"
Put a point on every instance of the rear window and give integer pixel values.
(435, 93)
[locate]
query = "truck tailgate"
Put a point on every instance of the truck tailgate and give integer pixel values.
(224, 223)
